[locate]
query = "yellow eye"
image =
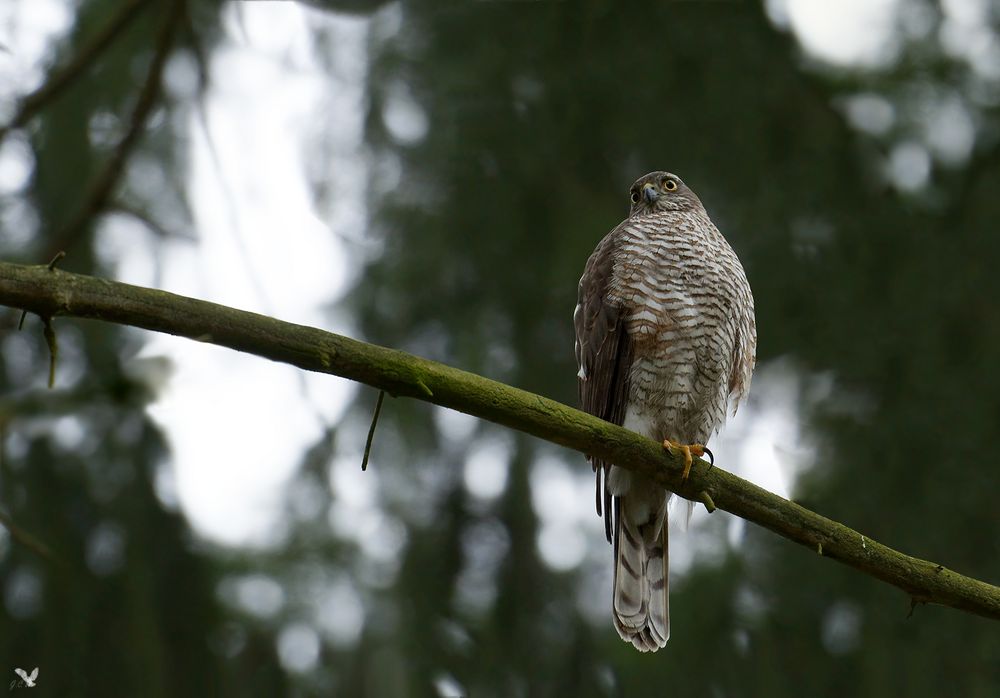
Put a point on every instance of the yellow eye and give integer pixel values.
(635, 197)
(669, 185)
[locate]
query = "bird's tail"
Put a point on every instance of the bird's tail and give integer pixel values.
(641, 607)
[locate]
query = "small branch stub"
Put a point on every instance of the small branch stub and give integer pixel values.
(705, 498)
(55, 260)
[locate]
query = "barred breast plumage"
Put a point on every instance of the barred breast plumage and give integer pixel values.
(665, 342)
(682, 288)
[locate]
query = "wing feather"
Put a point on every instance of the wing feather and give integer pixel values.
(743, 358)
(603, 354)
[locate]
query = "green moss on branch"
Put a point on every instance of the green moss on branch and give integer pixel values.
(50, 293)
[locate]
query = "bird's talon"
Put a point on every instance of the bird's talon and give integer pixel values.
(689, 451)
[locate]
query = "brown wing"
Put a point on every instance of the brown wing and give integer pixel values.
(603, 355)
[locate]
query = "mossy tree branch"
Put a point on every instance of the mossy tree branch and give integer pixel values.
(50, 293)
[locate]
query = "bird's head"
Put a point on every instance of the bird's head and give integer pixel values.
(661, 191)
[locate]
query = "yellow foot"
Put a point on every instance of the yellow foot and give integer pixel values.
(689, 450)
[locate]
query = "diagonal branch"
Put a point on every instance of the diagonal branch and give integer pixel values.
(25, 538)
(49, 293)
(62, 77)
(101, 188)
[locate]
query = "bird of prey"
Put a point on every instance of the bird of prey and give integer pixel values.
(665, 346)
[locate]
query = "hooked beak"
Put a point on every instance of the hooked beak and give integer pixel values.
(649, 193)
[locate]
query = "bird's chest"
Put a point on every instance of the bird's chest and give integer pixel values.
(678, 315)
(673, 295)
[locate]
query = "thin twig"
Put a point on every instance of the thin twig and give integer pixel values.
(53, 345)
(101, 188)
(25, 538)
(149, 222)
(371, 430)
(61, 78)
(49, 294)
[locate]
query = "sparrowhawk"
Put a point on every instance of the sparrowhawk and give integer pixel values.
(665, 345)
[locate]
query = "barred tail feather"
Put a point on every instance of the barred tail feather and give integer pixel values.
(658, 623)
(641, 608)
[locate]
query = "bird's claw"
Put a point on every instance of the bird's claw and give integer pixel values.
(711, 457)
(689, 451)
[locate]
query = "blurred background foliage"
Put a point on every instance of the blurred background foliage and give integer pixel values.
(501, 138)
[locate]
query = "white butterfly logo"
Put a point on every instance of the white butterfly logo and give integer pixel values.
(29, 679)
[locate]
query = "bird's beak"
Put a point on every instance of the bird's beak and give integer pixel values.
(649, 193)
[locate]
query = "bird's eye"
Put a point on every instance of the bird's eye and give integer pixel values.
(669, 185)
(635, 197)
